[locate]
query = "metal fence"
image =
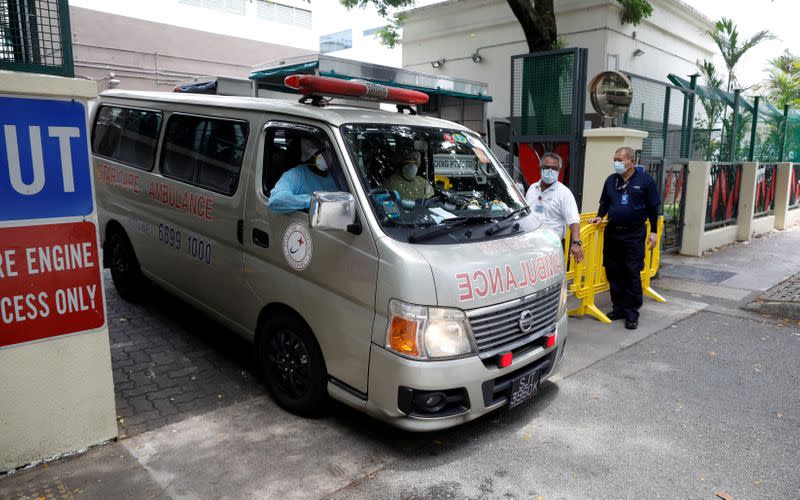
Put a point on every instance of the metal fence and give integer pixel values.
(35, 37)
(765, 190)
(722, 204)
(794, 187)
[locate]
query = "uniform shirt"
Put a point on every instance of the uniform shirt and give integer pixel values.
(631, 204)
(415, 189)
(555, 206)
(293, 190)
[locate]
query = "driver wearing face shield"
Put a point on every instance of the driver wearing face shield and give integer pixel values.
(405, 180)
(293, 190)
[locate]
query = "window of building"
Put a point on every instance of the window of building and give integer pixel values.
(204, 152)
(284, 14)
(336, 41)
(127, 135)
(229, 6)
(371, 32)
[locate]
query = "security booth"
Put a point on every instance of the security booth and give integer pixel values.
(454, 99)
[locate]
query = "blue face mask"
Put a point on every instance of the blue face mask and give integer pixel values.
(549, 176)
(619, 167)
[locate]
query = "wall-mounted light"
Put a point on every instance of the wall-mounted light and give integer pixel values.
(438, 63)
(113, 81)
(638, 52)
(476, 58)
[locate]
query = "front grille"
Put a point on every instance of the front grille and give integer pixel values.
(497, 328)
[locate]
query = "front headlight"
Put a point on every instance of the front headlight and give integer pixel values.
(421, 332)
(562, 299)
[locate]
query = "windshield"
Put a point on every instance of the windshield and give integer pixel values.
(418, 178)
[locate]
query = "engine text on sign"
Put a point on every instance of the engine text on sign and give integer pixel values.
(49, 281)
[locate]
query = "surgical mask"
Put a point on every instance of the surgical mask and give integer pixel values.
(619, 167)
(410, 170)
(320, 162)
(549, 176)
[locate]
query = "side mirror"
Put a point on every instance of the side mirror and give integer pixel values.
(332, 210)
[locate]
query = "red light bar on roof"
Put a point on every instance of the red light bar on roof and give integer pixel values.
(335, 87)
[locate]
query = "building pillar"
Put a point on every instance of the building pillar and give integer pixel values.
(56, 389)
(601, 144)
(783, 179)
(747, 201)
(694, 210)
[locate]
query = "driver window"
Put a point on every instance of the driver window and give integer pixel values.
(298, 161)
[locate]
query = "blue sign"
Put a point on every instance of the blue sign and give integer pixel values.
(44, 159)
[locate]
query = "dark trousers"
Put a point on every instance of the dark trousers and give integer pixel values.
(623, 258)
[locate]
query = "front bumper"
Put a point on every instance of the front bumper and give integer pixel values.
(388, 372)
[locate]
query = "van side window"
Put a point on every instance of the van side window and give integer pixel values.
(204, 152)
(289, 147)
(127, 135)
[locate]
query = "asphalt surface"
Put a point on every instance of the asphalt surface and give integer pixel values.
(711, 404)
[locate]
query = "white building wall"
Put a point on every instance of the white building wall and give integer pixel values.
(671, 40)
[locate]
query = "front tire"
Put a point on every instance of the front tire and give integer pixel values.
(292, 365)
(126, 274)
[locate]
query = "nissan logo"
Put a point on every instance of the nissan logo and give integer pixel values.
(526, 321)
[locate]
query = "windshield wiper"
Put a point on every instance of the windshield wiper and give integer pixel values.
(445, 226)
(504, 222)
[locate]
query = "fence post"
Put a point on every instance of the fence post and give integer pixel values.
(690, 117)
(734, 125)
(783, 181)
(747, 201)
(753, 129)
(785, 131)
(696, 199)
(665, 124)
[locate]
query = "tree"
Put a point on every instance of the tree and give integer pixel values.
(536, 17)
(726, 36)
(783, 83)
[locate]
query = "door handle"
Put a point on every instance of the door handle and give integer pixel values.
(260, 238)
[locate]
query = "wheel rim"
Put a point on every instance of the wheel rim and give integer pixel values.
(289, 363)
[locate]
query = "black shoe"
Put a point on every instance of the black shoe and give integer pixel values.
(631, 324)
(614, 315)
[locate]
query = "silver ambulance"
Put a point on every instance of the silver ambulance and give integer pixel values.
(425, 312)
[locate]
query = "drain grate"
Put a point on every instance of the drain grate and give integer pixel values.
(720, 292)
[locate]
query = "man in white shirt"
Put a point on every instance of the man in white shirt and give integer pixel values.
(554, 204)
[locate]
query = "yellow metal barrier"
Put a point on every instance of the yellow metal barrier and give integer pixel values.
(589, 277)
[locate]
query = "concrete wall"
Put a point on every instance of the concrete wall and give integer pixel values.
(57, 394)
(456, 29)
(145, 55)
(601, 144)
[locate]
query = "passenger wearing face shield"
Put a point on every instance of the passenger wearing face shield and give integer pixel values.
(555, 205)
(293, 190)
(405, 180)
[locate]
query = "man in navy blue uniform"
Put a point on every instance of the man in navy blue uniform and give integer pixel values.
(629, 198)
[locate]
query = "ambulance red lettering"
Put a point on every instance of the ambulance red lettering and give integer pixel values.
(465, 285)
(481, 292)
(194, 204)
(503, 279)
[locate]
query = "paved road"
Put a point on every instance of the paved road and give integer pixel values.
(712, 404)
(170, 362)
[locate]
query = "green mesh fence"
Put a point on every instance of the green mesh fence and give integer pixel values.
(35, 36)
(542, 99)
(660, 110)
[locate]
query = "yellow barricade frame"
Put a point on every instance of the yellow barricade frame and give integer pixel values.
(588, 278)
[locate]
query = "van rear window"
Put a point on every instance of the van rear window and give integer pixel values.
(127, 135)
(204, 152)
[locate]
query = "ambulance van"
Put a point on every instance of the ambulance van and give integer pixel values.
(424, 311)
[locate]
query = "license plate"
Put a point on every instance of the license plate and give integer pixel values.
(523, 388)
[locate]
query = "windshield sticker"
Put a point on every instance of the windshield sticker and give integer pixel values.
(498, 280)
(297, 246)
(459, 138)
(449, 138)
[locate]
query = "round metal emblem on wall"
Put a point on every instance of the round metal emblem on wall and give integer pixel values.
(297, 246)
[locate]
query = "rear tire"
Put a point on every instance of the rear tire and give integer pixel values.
(292, 365)
(126, 273)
